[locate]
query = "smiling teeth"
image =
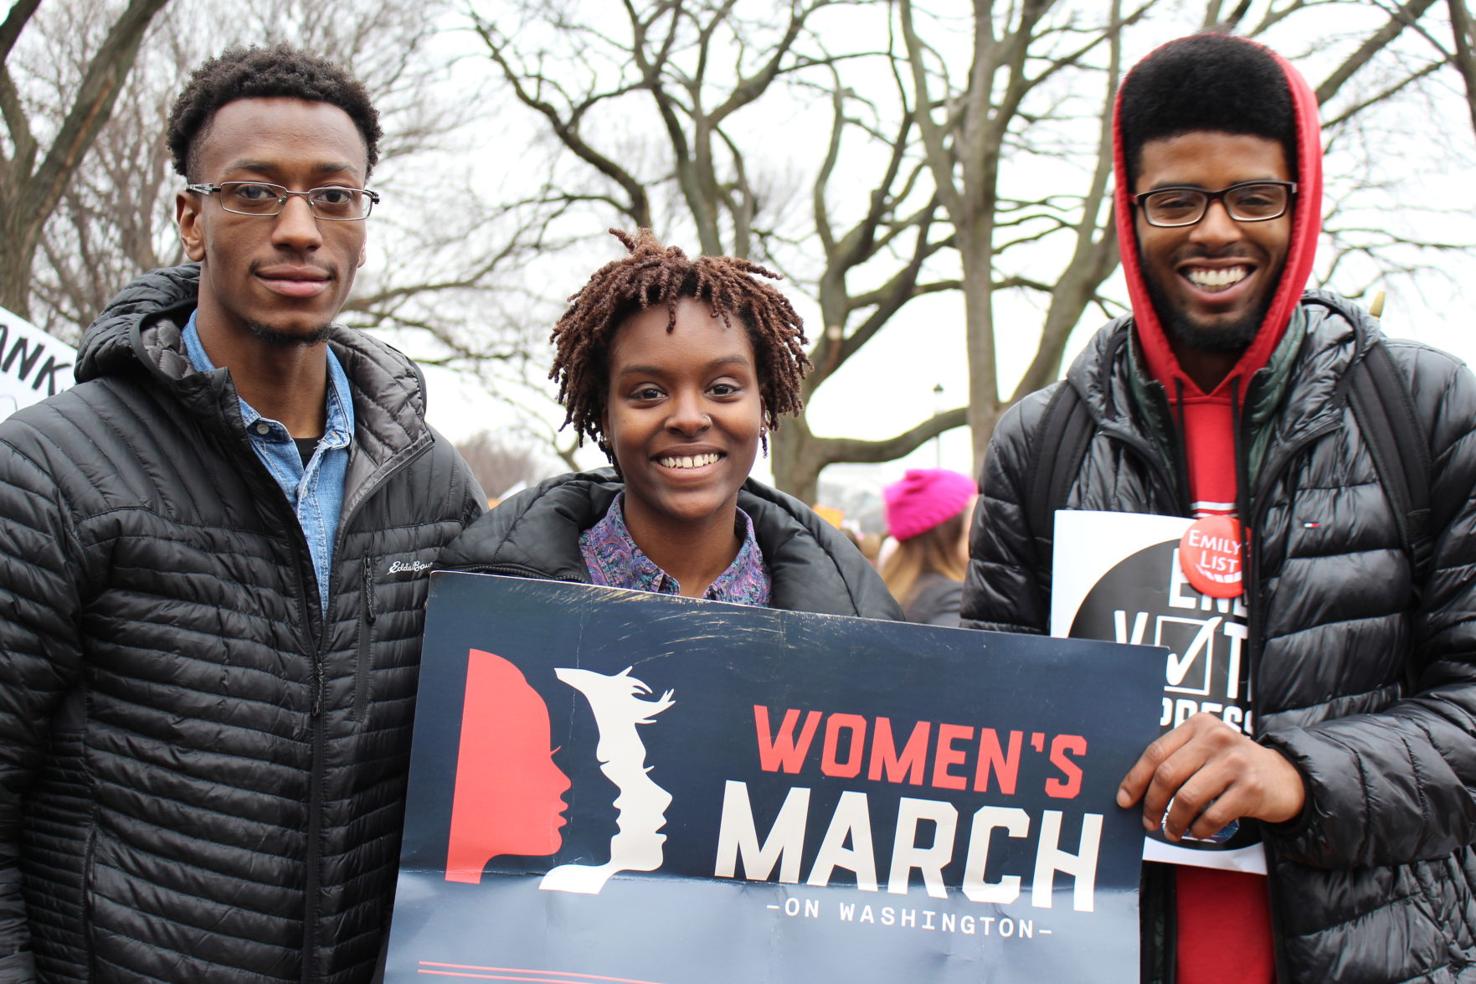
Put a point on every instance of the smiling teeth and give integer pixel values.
(689, 461)
(1217, 279)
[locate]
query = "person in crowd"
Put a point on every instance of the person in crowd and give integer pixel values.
(679, 369)
(214, 552)
(1228, 394)
(928, 515)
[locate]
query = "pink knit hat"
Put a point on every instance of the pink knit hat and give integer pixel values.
(924, 498)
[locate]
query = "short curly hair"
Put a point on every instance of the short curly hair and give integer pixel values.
(280, 71)
(654, 274)
(1207, 82)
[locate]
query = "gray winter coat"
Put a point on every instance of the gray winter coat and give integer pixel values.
(1364, 679)
(201, 777)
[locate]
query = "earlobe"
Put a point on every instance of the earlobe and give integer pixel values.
(363, 254)
(187, 219)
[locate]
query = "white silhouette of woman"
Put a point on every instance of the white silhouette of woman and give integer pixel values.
(641, 804)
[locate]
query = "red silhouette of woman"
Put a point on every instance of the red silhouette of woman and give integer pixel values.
(509, 793)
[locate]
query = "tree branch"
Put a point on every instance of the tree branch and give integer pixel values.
(836, 449)
(1460, 25)
(20, 12)
(638, 205)
(1398, 21)
(94, 103)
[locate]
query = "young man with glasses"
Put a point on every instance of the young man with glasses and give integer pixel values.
(213, 559)
(1339, 742)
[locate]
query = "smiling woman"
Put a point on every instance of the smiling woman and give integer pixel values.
(678, 368)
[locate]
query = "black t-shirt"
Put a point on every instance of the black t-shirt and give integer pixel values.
(305, 448)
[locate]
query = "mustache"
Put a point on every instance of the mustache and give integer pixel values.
(1232, 251)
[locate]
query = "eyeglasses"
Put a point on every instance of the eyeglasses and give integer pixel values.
(1247, 201)
(261, 198)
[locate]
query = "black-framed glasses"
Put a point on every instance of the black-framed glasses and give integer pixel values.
(334, 202)
(1245, 201)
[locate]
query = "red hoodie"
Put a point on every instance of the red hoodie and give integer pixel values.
(1223, 918)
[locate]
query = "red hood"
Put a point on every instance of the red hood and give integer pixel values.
(1306, 225)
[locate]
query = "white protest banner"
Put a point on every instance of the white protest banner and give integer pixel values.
(33, 365)
(1118, 577)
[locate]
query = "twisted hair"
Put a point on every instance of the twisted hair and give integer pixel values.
(653, 274)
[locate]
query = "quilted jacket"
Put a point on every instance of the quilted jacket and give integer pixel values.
(536, 534)
(201, 777)
(1363, 678)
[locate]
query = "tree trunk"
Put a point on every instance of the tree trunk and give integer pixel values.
(1460, 24)
(30, 196)
(796, 467)
(18, 242)
(983, 407)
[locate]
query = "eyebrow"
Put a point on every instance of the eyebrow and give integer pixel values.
(727, 360)
(1200, 187)
(274, 167)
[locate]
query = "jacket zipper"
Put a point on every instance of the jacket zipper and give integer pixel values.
(315, 778)
(515, 570)
(1255, 615)
(367, 616)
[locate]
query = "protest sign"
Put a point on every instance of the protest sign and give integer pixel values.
(617, 786)
(33, 365)
(1120, 576)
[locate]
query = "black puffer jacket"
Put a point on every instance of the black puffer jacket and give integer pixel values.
(536, 534)
(1363, 679)
(202, 778)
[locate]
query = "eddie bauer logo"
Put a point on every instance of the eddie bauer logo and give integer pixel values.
(408, 566)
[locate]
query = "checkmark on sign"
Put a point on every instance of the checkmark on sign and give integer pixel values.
(1178, 666)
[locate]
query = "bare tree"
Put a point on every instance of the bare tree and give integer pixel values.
(444, 263)
(1005, 105)
(1464, 36)
(918, 172)
(684, 72)
(34, 171)
(498, 464)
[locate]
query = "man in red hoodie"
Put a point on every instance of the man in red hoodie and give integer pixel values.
(1338, 748)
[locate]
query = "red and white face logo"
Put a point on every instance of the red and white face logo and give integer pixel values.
(508, 797)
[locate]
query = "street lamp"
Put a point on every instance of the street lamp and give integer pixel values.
(938, 439)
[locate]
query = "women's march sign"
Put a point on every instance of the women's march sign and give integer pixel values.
(33, 365)
(614, 786)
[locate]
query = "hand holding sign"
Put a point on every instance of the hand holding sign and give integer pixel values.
(1213, 774)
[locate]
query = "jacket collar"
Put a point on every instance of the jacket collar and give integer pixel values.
(1122, 399)
(140, 331)
(536, 534)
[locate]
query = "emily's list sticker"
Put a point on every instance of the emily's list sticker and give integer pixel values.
(1209, 553)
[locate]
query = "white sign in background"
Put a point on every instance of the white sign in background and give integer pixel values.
(1089, 547)
(33, 365)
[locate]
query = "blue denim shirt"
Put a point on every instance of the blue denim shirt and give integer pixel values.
(316, 490)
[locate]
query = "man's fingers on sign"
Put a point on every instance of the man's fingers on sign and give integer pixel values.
(1206, 774)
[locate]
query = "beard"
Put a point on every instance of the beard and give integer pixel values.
(1221, 339)
(289, 339)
